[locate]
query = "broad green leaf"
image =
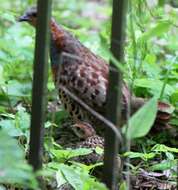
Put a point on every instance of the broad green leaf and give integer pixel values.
(15, 88)
(170, 156)
(10, 128)
(99, 150)
(17, 125)
(160, 28)
(72, 176)
(141, 122)
(52, 166)
(143, 156)
(60, 179)
(154, 85)
(79, 178)
(164, 148)
(70, 153)
(165, 165)
(22, 119)
(8, 115)
(49, 124)
(87, 167)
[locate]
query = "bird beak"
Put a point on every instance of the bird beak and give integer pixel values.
(23, 18)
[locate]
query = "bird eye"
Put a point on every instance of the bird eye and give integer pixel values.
(34, 14)
(79, 130)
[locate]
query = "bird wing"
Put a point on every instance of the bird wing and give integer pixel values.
(86, 76)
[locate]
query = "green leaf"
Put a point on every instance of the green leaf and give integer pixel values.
(17, 125)
(174, 121)
(60, 178)
(22, 119)
(160, 28)
(154, 85)
(165, 165)
(9, 126)
(174, 97)
(99, 150)
(164, 148)
(170, 156)
(123, 186)
(72, 176)
(143, 156)
(87, 167)
(15, 88)
(13, 166)
(79, 178)
(141, 122)
(70, 153)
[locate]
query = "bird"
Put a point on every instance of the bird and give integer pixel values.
(84, 74)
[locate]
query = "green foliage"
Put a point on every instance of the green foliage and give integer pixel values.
(144, 156)
(77, 175)
(151, 69)
(164, 165)
(69, 153)
(154, 86)
(141, 122)
(13, 166)
(161, 27)
(164, 148)
(78, 178)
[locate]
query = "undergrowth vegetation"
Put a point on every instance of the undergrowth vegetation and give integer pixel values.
(151, 69)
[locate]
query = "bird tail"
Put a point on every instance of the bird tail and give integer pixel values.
(164, 112)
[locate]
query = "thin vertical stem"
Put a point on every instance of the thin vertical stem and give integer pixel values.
(111, 167)
(39, 83)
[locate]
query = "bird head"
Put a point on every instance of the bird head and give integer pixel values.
(83, 130)
(29, 16)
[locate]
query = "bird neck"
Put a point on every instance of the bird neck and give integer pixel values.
(56, 46)
(58, 34)
(62, 41)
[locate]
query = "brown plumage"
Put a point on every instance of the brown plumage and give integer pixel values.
(84, 74)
